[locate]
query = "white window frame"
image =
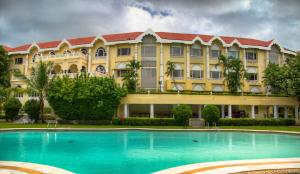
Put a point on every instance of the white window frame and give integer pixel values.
(18, 62)
(181, 50)
(198, 48)
(254, 54)
(97, 54)
(196, 71)
(214, 71)
(120, 52)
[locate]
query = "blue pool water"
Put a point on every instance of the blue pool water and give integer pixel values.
(140, 151)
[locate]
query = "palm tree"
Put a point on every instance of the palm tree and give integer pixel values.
(38, 82)
(131, 76)
(170, 70)
(234, 72)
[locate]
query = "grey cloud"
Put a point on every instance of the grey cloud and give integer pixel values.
(42, 20)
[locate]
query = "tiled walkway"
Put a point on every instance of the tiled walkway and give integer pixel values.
(11, 167)
(226, 167)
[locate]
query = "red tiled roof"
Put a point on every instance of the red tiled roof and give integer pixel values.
(21, 48)
(6, 48)
(81, 41)
(121, 37)
(134, 35)
(52, 44)
(176, 36)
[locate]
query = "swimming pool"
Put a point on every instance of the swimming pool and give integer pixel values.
(132, 152)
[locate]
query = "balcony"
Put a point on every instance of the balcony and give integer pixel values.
(73, 55)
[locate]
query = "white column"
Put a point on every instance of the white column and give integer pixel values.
(207, 62)
(26, 65)
(161, 78)
(135, 52)
(107, 61)
(187, 62)
(244, 58)
(267, 58)
(89, 61)
(199, 111)
(275, 111)
(296, 112)
(126, 110)
(252, 111)
(229, 111)
(226, 51)
(151, 110)
(223, 111)
(285, 112)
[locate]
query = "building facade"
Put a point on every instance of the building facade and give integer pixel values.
(195, 57)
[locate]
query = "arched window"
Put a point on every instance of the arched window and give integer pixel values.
(100, 69)
(100, 52)
(84, 51)
(35, 56)
(233, 52)
(52, 53)
(215, 51)
(274, 54)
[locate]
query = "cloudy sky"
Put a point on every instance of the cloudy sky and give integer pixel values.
(26, 21)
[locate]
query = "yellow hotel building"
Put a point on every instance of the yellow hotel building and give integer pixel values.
(195, 57)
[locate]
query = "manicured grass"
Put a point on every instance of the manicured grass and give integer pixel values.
(4, 125)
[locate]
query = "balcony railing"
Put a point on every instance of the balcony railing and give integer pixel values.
(63, 56)
(251, 61)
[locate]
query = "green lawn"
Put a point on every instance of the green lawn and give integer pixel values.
(4, 125)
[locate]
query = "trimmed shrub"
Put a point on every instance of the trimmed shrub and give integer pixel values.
(142, 121)
(12, 108)
(182, 114)
(32, 108)
(211, 114)
(85, 98)
(256, 122)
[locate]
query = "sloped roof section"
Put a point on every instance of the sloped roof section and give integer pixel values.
(6, 48)
(81, 41)
(52, 44)
(121, 37)
(176, 36)
(21, 48)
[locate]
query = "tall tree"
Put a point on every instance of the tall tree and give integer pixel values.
(234, 72)
(169, 72)
(131, 77)
(4, 68)
(38, 82)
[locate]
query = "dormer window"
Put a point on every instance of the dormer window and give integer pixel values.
(84, 51)
(196, 51)
(215, 51)
(233, 53)
(100, 52)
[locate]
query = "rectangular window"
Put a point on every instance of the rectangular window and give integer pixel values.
(177, 74)
(233, 54)
(251, 55)
(176, 50)
(196, 74)
(18, 61)
(252, 76)
(148, 51)
(123, 51)
(215, 54)
(216, 75)
(121, 72)
(195, 52)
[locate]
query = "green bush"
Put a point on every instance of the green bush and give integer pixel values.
(12, 108)
(85, 98)
(256, 122)
(47, 110)
(211, 114)
(182, 113)
(144, 121)
(32, 108)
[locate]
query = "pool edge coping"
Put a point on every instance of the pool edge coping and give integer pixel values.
(148, 129)
(233, 166)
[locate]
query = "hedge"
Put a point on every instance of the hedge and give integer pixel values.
(140, 121)
(255, 122)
